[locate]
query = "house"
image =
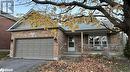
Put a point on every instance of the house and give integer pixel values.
(39, 43)
(6, 21)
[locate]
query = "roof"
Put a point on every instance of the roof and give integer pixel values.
(8, 16)
(86, 26)
(89, 31)
(18, 22)
(21, 24)
(18, 26)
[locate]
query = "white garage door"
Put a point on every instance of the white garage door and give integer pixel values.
(34, 48)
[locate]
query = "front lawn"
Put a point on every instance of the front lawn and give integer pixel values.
(3, 54)
(86, 64)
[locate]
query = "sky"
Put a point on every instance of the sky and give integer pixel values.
(23, 6)
(21, 9)
(20, 6)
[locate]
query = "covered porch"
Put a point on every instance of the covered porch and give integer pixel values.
(91, 41)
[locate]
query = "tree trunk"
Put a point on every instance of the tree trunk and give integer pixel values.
(126, 28)
(126, 11)
(128, 38)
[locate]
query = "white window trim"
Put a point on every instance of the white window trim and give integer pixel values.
(100, 44)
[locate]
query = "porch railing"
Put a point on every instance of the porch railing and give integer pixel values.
(109, 47)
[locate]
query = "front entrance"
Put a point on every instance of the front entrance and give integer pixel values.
(71, 43)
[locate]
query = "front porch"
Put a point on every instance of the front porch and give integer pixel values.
(92, 42)
(111, 50)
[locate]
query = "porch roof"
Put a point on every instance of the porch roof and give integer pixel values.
(88, 31)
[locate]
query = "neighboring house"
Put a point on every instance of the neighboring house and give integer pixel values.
(38, 43)
(6, 21)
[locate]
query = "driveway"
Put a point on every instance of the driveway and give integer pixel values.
(20, 65)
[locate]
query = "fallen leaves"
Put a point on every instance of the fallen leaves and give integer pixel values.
(85, 65)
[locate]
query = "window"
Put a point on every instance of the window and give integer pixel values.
(91, 41)
(104, 44)
(104, 41)
(96, 41)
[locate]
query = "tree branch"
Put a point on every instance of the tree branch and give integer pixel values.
(84, 1)
(80, 17)
(81, 4)
(28, 3)
(74, 3)
(118, 14)
(111, 3)
(103, 24)
(69, 8)
(111, 19)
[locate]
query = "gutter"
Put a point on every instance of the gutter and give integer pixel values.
(16, 30)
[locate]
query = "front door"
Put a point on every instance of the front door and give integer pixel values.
(71, 43)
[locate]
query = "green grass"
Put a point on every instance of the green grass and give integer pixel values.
(3, 54)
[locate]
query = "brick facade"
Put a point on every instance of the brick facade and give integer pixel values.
(115, 42)
(114, 39)
(36, 34)
(60, 42)
(5, 37)
(77, 43)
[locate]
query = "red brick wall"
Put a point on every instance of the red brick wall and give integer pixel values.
(78, 42)
(62, 42)
(32, 34)
(5, 37)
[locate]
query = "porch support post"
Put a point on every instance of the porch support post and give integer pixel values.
(82, 42)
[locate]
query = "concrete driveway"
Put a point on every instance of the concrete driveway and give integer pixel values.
(19, 65)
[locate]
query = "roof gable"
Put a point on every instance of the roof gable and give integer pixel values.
(23, 23)
(18, 23)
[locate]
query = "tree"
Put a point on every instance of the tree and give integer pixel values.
(106, 7)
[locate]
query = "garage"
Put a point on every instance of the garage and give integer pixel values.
(34, 48)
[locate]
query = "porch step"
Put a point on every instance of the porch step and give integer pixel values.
(71, 54)
(94, 52)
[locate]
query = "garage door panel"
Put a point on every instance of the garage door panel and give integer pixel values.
(34, 48)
